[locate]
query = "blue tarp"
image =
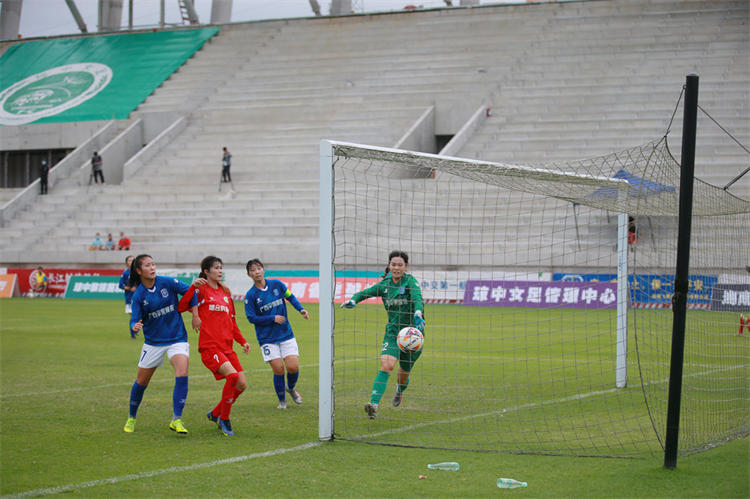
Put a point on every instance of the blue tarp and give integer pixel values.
(639, 186)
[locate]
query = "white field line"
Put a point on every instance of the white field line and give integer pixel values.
(148, 474)
(533, 405)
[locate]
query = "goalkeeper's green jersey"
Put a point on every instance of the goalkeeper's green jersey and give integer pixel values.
(400, 300)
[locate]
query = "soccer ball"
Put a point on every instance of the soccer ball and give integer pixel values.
(410, 340)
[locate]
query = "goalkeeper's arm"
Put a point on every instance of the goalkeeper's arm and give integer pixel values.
(366, 293)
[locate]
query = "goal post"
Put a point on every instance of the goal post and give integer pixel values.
(416, 164)
(621, 364)
(545, 330)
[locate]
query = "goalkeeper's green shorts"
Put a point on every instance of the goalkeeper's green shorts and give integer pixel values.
(405, 360)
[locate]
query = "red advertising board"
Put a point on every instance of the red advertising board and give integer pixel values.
(307, 289)
(57, 279)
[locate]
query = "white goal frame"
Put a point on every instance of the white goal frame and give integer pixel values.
(326, 275)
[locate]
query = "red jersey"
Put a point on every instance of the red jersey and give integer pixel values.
(218, 325)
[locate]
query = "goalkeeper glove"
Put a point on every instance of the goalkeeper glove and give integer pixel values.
(419, 320)
(349, 304)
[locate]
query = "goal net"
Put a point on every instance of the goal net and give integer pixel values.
(530, 345)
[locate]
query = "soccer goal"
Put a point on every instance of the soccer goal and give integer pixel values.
(547, 292)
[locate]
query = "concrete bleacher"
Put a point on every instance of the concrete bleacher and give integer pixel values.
(564, 81)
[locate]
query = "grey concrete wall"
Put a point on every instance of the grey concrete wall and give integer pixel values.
(62, 170)
(155, 123)
(461, 137)
(114, 155)
(155, 145)
(48, 135)
(421, 135)
(10, 18)
(116, 150)
(451, 113)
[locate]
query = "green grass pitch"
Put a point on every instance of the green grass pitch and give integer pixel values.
(66, 367)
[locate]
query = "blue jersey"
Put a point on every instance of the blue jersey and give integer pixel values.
(124, 278)
(157, 307)
(262, 305)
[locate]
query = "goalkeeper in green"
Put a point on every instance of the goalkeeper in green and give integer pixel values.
(402, 299)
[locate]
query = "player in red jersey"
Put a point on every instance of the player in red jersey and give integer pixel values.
(215, 343)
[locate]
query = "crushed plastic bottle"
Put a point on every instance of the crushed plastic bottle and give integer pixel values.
(449, 466)
(509, 483)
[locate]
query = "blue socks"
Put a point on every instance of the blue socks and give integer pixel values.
(291, 379)
(136, 395)
(278, 385)
(179, 395)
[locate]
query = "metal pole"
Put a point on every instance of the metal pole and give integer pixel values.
(100, 16)
(681, 278)
(621, 363)
(326, 288)
(77, 15)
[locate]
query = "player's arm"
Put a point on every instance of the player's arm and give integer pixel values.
(418, 302)
(252, 314)
(123, 281)
(189, 301)
(371, 292)
(185, 302)
(295, 303)
(236, 333)
(136, 314)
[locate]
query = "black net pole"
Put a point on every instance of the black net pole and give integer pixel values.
(681, 281)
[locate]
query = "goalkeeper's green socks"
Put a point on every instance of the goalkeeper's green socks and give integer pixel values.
(401, 387)
(378, 387)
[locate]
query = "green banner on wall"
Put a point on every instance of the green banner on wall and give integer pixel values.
(90, 78)
(94, 286)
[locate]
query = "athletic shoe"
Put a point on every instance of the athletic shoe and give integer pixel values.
(226, 427)
(282, 405)
(371, 410)
(296, 397)
(211, 417)
(397, 398)
(177, 426)
(129, 425)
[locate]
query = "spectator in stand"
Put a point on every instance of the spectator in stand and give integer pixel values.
(39, 284)
(632, 231)
(43, 176)
(226, 164)
(98, 243)
(96, 168)
(110, 242)
(124, 242)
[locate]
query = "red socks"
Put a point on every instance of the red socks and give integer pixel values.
(228, 396)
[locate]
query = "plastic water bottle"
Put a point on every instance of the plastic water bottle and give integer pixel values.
(450, 466)
(509, 483)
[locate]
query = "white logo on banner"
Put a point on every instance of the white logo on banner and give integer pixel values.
(52, 92)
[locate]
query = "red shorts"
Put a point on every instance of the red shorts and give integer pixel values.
(213, 360)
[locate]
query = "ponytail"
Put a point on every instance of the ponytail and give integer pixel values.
(135, 277)
(386, 272)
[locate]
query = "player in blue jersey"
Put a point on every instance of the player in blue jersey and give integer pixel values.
(266, 309)
(125, 286)
(154, 311)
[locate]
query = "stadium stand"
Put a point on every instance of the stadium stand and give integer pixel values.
(563, 81)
